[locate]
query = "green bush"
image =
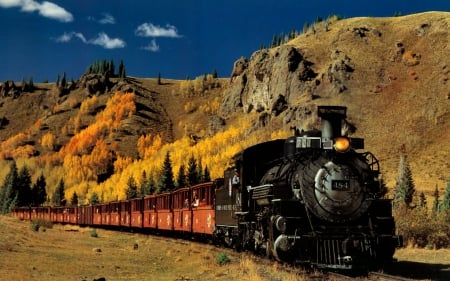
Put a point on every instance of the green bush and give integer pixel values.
(222, 259)
(37, 224)
(94, 233)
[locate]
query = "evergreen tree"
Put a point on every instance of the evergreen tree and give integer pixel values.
(94, 198)
(74, 199)
(111, 69)
(58, 80)
(31, 84)
(64, 81)
(199, 171)
(24, 197)
(39, 194)
(436, 200)
(422, 201)
(192, 173)
(404, 189)
(214, 74)
(8, 192)
(143, 186)
(151, 185)
(206, 175)
(181, 179)
(166, 182)
(445, 204)
(131, 191)
(59, 197)
(159, 78)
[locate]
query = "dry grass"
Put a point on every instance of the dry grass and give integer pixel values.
(70, 253)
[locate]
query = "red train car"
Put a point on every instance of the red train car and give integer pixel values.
(164, 209)
(105, 213)
(150, 214)
(97, 214)
(182, 213)
(85, 215)
(125, 213)
(58, 214)
(23, 213)
(71, 215)
(114, 211)
(137, 212)
(203, 215)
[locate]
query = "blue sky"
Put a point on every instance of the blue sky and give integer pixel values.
(177, 38)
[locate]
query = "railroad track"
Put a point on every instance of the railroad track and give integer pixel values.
(377, 276)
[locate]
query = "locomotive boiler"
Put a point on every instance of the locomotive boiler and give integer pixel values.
(309, 199)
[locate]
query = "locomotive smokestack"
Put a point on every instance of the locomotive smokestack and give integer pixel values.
(332, 117)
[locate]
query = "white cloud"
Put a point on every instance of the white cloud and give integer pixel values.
(151, 30)
(106, 42)
(66, 37)
(45, 9)
(107, 19)
(152, 46)
(102, 40)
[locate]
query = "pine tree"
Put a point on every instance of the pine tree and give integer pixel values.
(24, 196)
(8, 192)
(445, 204)
(206, 175)
(159, 78)
(59, 197)
(151, 185)
(94, 198)
(74, 199)
(192, 173)
(404, 189)
(143, 185)
(64, 81)
(436, 200)
(422, 201)
(214, 74)
(39, 194)
(131, 191)
(181, 179)
(166, 182)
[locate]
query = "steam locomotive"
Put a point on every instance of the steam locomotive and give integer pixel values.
(309, 199)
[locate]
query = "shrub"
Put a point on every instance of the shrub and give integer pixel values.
(94, 233)
(37, 224)
(222, 259)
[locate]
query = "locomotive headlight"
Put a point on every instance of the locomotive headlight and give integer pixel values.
(342, 144)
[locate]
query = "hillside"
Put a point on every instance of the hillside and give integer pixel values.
(392, 74)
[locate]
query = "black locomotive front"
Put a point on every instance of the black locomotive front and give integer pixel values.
(309, 199)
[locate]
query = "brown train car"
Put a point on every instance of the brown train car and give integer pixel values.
(43, 213)
(97, 214)
(150, 220)
(182, 213)
(137, 212)
(114, 210)
(71, 215)
(125, 213)
(203, 216)
(165, 214)
(85, 215)
(58, 214)
(105, 213)
(23, 213)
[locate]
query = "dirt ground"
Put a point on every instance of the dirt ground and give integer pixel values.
(71, 253)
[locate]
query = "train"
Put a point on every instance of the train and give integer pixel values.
(309, 199)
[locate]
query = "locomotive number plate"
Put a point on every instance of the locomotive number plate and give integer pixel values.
(340, 185)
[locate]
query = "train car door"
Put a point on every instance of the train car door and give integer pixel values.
(181, 212)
